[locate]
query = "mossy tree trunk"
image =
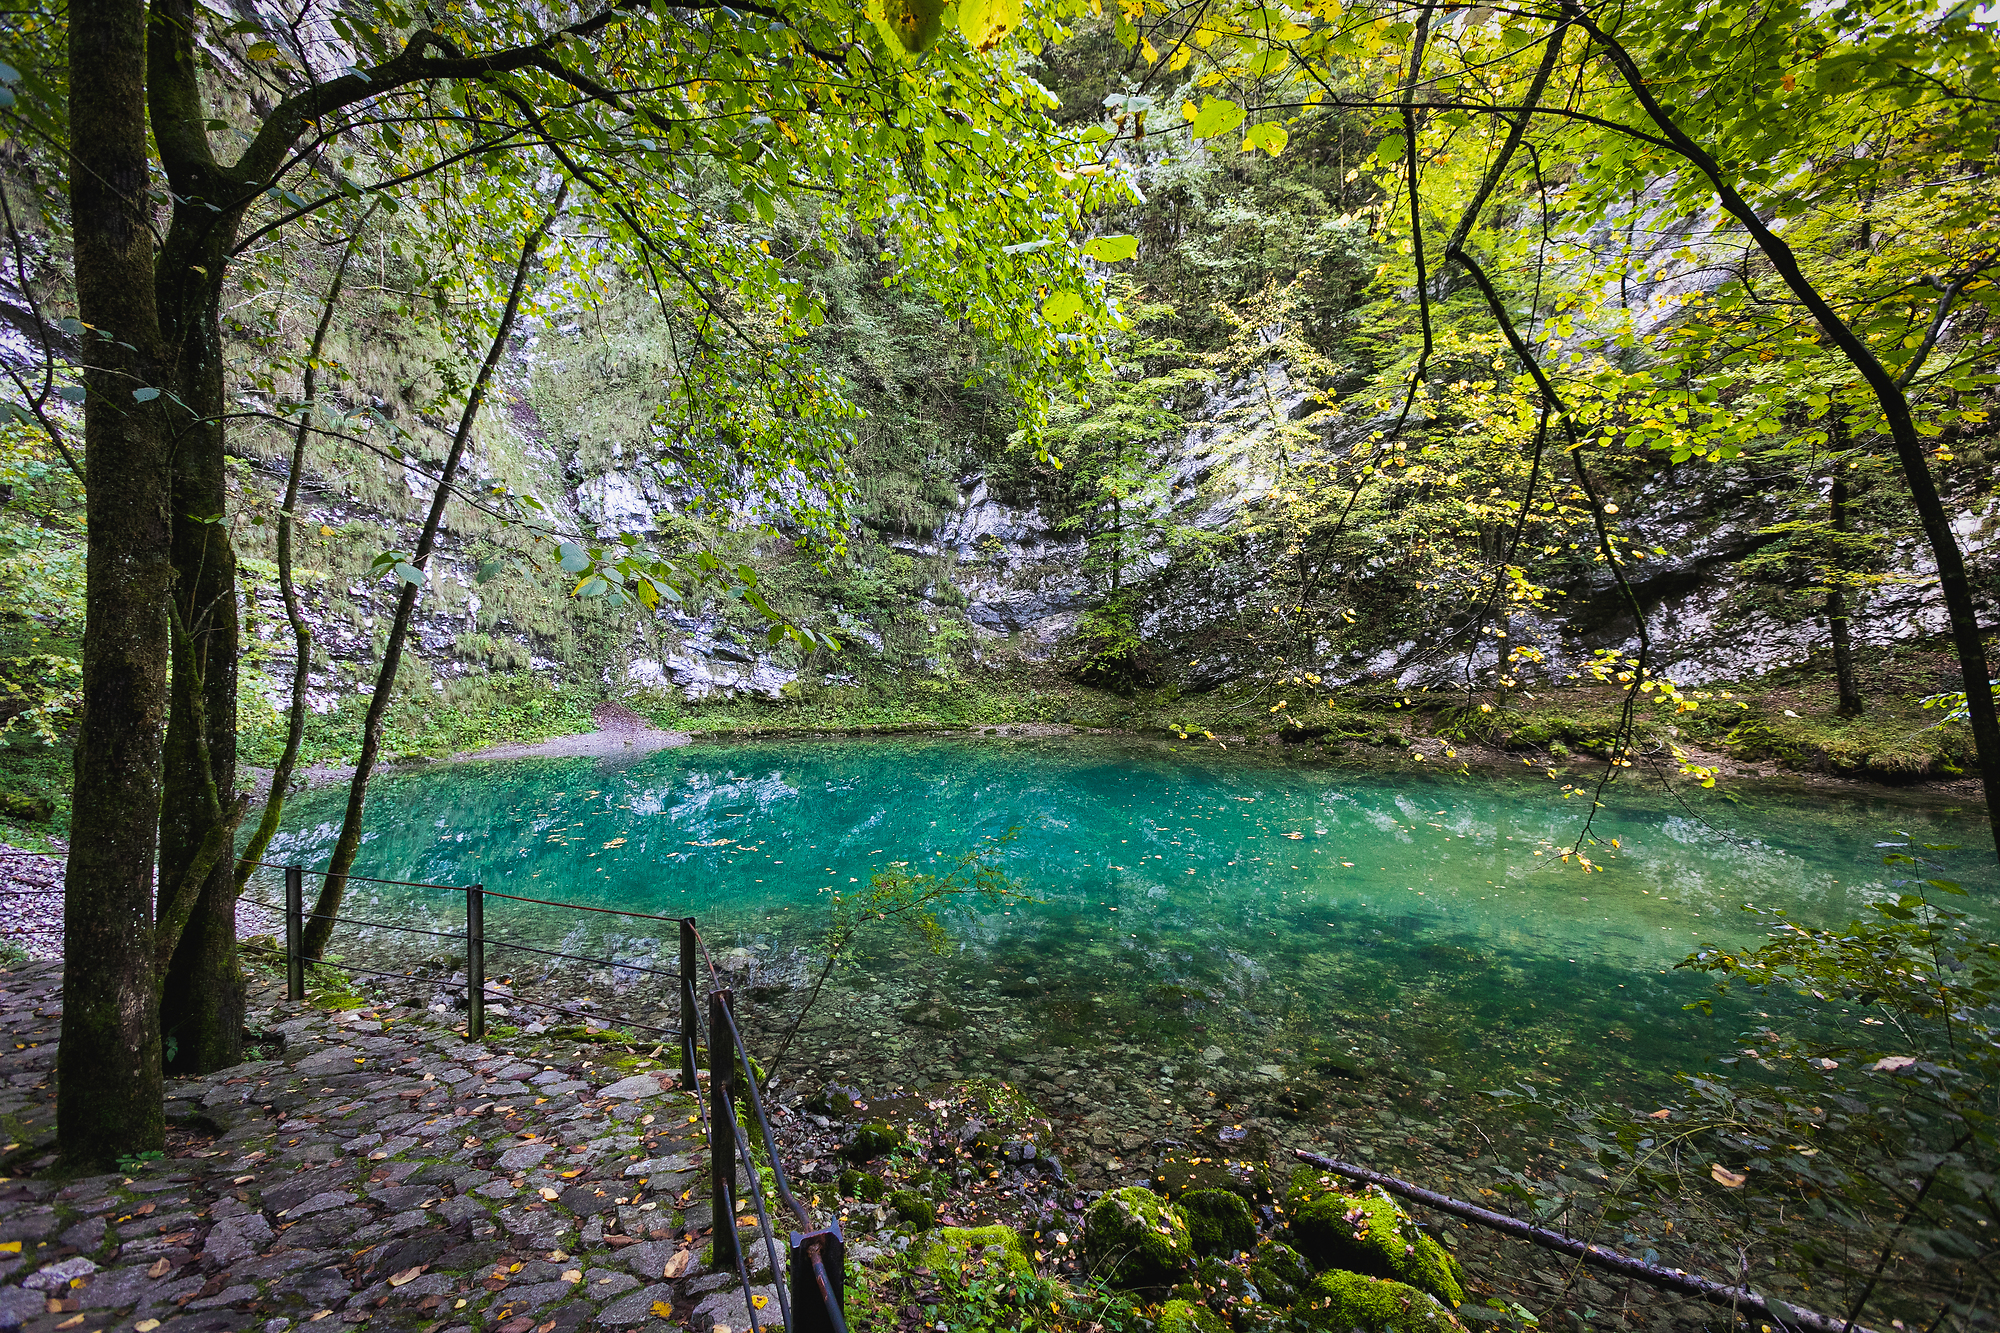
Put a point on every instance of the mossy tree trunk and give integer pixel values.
(202, 991)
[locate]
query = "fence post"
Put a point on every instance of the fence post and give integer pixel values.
(688, 1024)
(809, 1299)
(475, 962)
(295, 928)
(721, 1131)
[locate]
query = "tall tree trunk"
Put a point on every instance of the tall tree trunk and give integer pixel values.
(1851, 702)
(201, 1002)
(319, 926)
(201, 997)
(109, 1089)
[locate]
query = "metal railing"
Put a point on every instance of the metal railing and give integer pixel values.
(813, 1297)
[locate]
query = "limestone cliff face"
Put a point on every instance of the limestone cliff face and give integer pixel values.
(1016, 585)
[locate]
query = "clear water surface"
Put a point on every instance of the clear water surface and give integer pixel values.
(1200, 915)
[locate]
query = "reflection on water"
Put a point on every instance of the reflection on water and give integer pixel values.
(1204, 918)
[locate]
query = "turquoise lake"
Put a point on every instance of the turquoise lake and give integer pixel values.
(1199, 917)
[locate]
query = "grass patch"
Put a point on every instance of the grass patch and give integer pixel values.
(424, 723)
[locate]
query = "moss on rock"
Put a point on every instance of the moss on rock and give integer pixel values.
(915, 1209)
(1134, 1238)
(1181, 1173)
(1280, 1272)
(872, 1140)
(1219, 1221)
(860, 1185)
(1344, 1302)
(965, 1245)
(1368, 1233)
(1187, 1317)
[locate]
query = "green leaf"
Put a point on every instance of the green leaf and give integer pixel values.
(1112, 249)
(1269, 136)
(908, 26)
(1062, 307)
(408, 572)
(71, 392)
(1391, 148)
(1218, 115)
(488, 571)
(985, 22)
(574, 558)
(262, 51)
(145, 395)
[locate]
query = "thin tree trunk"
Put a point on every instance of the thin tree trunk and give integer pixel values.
(1953, 582)
(109, 1086)
(302, 637)
(319, 927)
(1851, 702)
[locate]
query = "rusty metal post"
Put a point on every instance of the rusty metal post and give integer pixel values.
(295, 929)
(689, 945)
(475, 962)
(818, 1270)
(721, 1131)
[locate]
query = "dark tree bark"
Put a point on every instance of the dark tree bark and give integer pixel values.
(319, 926)
(109, 1066)
(1851, 702)
(202, 993)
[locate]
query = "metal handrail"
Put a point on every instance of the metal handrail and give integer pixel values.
(728, 1142)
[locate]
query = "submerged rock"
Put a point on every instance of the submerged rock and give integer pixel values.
(1137, 1239)
(1368, 1233)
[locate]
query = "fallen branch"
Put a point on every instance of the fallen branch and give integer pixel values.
(1742, 1299)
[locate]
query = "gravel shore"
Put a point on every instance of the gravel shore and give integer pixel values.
(31, 904)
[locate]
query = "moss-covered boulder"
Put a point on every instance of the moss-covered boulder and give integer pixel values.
(1219, 1221)
(966, 1246)
(1368, 1233)
(872, 1140)
(1280, 1272)
(1182, 1173)
(1343, 1302)
(860, 1185)
(914, 1209)
(1187, 1317)
(1134, 1238)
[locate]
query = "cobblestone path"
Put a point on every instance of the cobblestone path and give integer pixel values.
(375, 1169)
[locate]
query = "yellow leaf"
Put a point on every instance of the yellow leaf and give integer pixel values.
(145, 1326)
(262, 51)
(325, 531)
(10, 1247)
(760, 1301)
(1147, 50)
(663, 1310)
(407, 1276)
(1725, 1177)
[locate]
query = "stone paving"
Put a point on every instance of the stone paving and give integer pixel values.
(373, 1168)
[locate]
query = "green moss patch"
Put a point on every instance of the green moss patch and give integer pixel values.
(1134, 1238)
(1368, 1233)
